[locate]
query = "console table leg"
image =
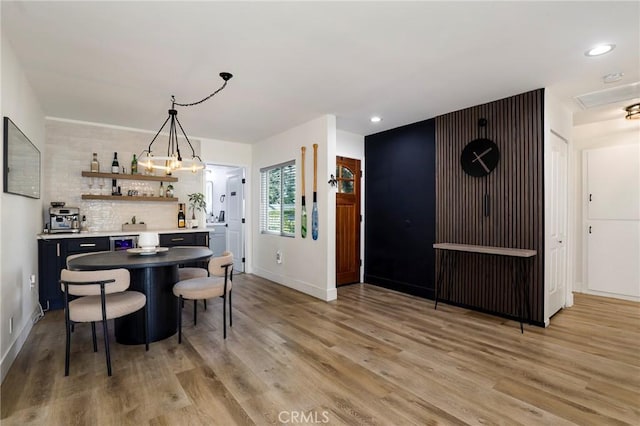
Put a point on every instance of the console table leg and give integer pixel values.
(443, 256)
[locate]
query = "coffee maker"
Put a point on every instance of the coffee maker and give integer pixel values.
(64, 219)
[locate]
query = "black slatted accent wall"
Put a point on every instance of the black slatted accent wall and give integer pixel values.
(516, 195)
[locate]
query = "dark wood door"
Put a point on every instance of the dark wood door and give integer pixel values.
(348, 175)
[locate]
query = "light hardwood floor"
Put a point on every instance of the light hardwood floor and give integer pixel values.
(374, 356)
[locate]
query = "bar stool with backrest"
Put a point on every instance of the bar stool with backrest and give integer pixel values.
(188, 272)
(217, 284)
(99, 296)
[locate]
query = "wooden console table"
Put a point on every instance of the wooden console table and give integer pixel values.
(449, 259)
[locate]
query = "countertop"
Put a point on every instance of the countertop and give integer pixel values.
(119, 233)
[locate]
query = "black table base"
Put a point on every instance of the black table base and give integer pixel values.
(157, 284)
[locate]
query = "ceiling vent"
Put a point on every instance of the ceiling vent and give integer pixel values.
(609, 96)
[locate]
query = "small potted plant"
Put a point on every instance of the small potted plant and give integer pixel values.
(196, 202)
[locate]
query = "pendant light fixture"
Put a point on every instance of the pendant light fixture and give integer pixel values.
(174, 161)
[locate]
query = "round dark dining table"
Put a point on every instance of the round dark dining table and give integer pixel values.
(154, 275)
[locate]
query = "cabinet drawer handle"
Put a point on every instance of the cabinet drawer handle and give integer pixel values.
(88, 245)
(177, 239)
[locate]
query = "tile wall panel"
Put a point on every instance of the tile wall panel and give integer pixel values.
(68, 151)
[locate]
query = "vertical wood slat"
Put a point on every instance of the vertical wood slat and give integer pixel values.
(516, 195)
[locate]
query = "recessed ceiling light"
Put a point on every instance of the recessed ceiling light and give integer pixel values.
(633, 112)
(600, 49)
(613, 77)
(375, 119)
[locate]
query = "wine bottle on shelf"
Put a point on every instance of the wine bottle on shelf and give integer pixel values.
(115, 167)
(161, 191)
(181, 221)
(134, 165)
(95, 165)
(114, 187)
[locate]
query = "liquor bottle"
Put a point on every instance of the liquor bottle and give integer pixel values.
(115, 167)
(134, 165)
(95, 165)
(114, 187)
(181, 222)
(161, 191)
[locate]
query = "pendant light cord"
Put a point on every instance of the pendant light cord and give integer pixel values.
(225, 76)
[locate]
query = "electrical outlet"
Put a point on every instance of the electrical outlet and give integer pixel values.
(278, 257)
(32, 281)
(10, 325)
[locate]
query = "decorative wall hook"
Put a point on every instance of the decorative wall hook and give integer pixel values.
(333, 181)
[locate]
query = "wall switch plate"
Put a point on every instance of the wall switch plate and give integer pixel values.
(32, 280)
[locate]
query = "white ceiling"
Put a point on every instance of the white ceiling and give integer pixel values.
(118, 63)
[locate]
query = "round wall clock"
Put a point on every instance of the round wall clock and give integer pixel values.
(480, 157)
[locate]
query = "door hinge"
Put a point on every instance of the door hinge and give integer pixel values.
(244, 180)
(360, 218)
(243, 260)
(360, 262)
(243, 220)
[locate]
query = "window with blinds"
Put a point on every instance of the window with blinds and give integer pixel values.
(278, 199)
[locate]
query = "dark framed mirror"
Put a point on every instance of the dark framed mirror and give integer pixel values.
(21, 163)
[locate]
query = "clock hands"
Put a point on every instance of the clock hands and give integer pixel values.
(479, 159)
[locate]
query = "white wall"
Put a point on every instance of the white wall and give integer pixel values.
(589, 136)
(307, 265)
(351, 145)
(69, 148)
(21, 216)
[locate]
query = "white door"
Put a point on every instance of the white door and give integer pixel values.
(557, 226)
(612, 225)
(235, 217)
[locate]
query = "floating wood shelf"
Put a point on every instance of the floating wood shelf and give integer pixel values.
(126, 197)
(130, 177)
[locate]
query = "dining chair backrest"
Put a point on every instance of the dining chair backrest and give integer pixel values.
(121, 283)
(216, 268)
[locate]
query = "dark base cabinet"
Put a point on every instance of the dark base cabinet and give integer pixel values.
(53, 252)
(52, 255)
(186, 239)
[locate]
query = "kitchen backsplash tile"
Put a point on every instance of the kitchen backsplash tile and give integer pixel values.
(68, 152)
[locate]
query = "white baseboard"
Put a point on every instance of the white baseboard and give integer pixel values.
(611, 295)
(304, 287)
(16, 346)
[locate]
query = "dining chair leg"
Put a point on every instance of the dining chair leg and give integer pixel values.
(67, 323)
(93, 334)
(106, 333)
(224, 316)
(180, 304)
(68, 348)
(195, 313)
(230, 310)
